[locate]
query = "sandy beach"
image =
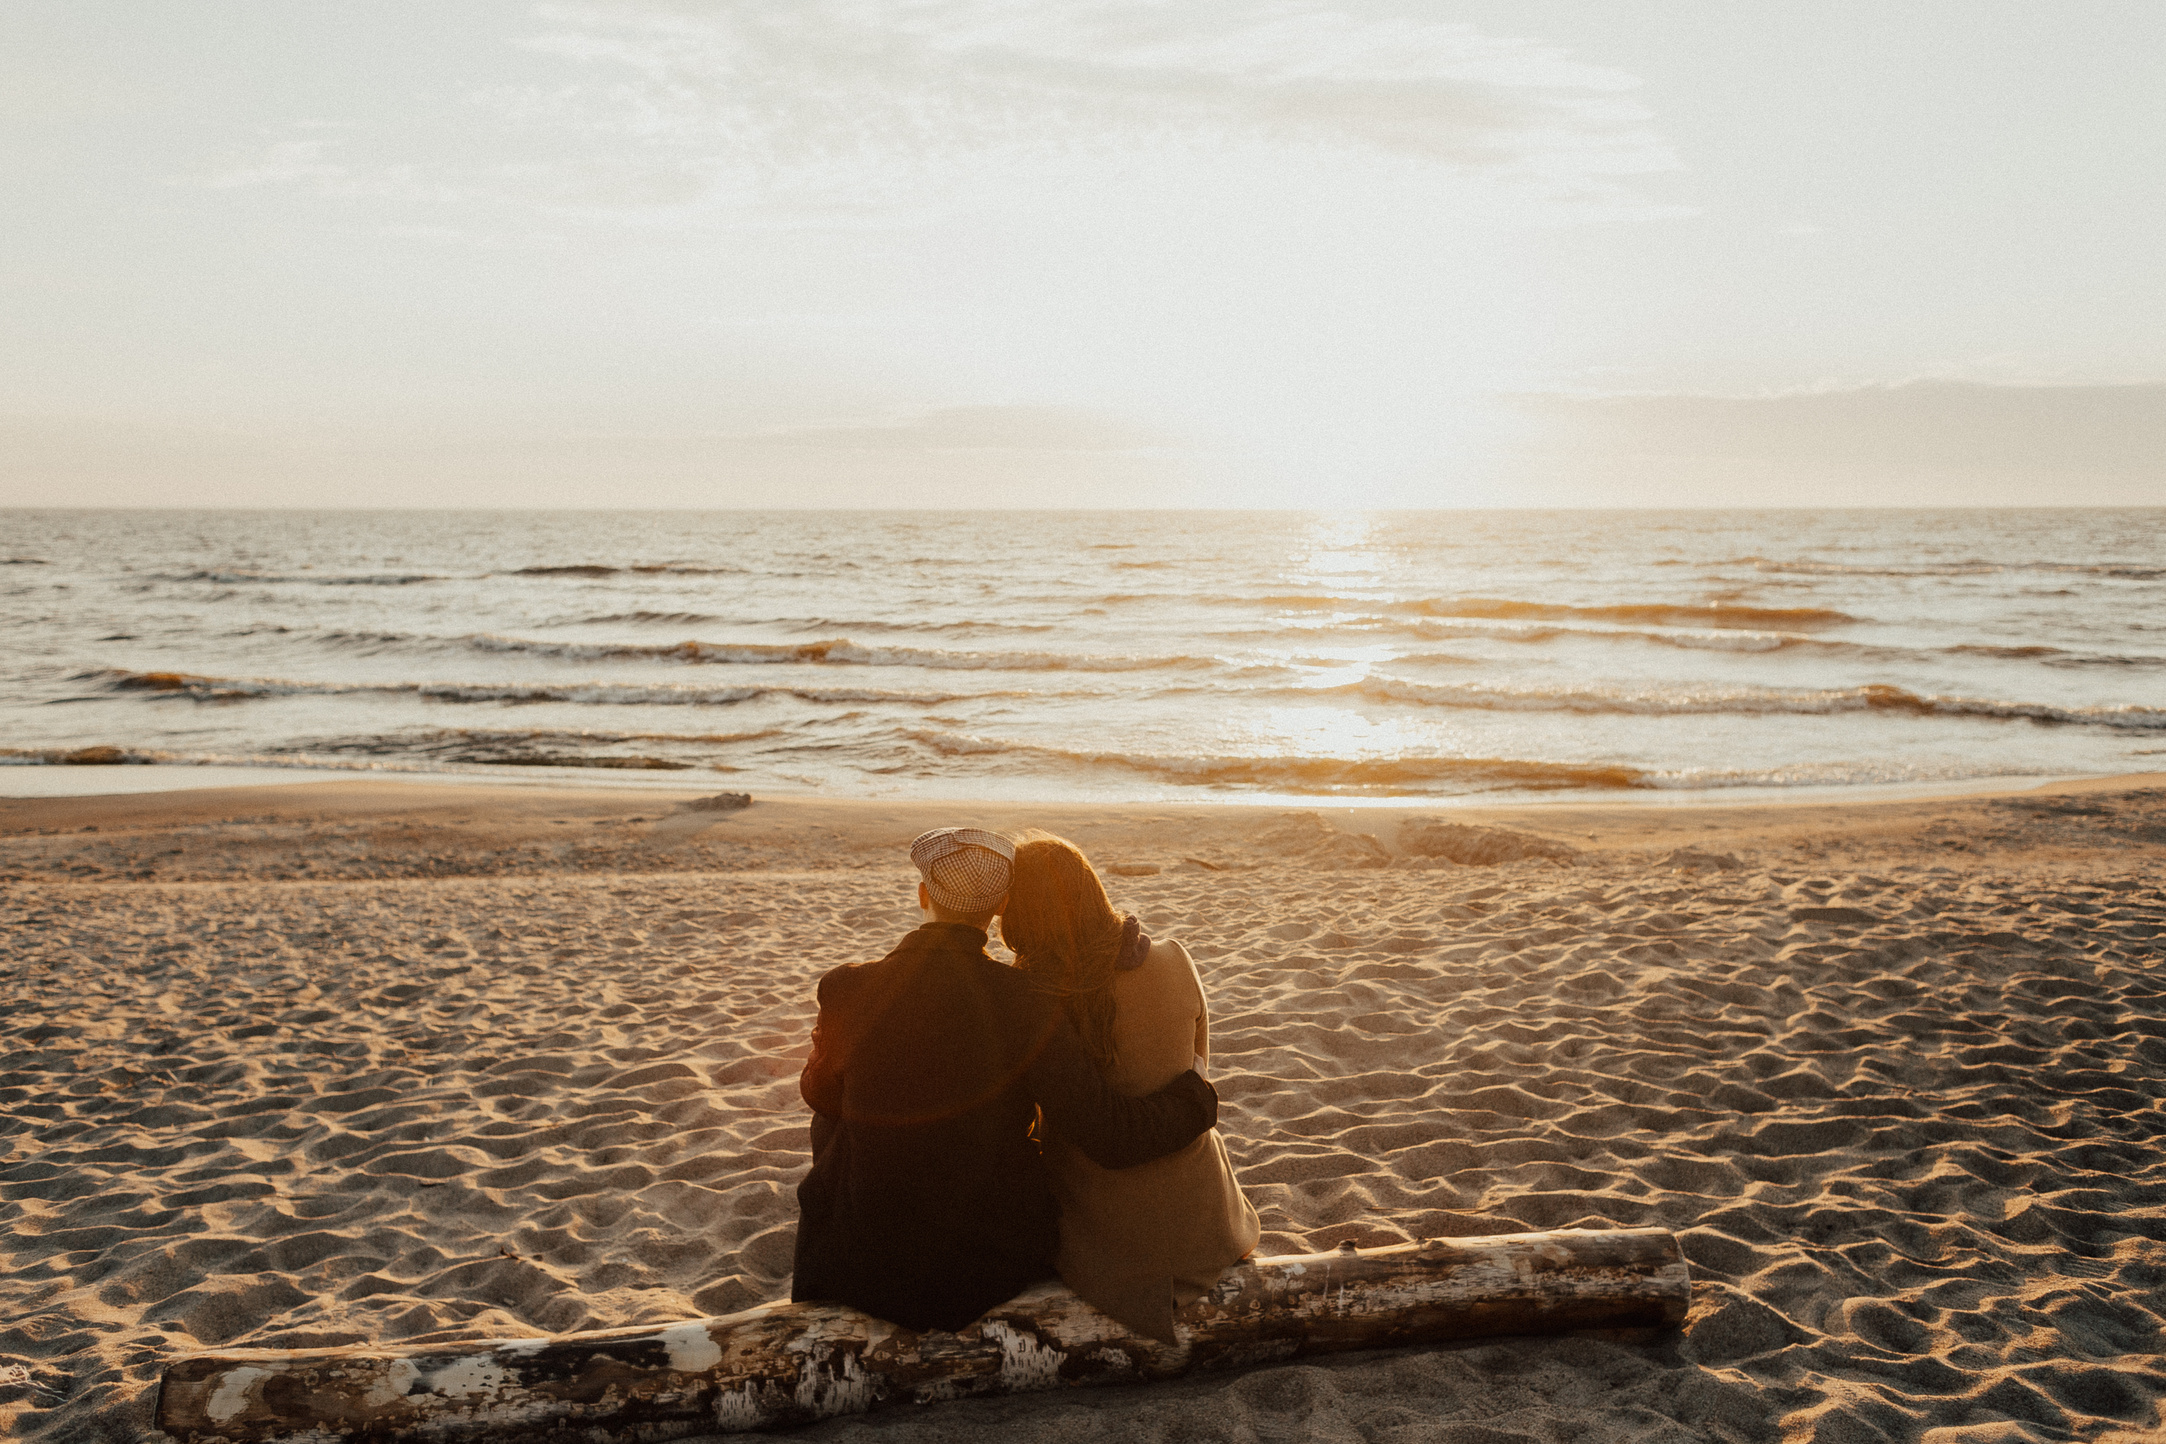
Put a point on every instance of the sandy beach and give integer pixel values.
(355, 1061)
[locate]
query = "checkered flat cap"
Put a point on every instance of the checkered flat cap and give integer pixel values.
(966, 869)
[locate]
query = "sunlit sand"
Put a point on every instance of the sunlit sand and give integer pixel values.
(319, 1064)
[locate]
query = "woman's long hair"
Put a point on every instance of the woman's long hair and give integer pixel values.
(1065, 934)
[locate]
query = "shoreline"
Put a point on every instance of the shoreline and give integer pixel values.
(45, 779)
(23, 781)
(377, 828)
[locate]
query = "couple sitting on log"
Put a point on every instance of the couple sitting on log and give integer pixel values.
(978, 1128)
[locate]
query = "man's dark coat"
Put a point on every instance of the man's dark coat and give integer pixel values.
(927, 1203)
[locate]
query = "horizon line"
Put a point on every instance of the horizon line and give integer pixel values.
(1056, 510)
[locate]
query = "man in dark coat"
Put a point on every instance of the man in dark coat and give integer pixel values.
(927, 1202)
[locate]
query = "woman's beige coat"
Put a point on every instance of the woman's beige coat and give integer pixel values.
(1138, 1243)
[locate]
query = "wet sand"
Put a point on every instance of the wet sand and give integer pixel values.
(329, 1063)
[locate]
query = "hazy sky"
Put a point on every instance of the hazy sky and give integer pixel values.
(775, 252)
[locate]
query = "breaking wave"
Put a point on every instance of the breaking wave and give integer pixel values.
(435, 740)
(1829, 774)
(1713, 614)
(1433, 629)
(1741, 640)
(301, 759)
(1318, 775)
(2084, 659)
(2125, 571)
(842, 651)
(2055, 656)
(674, 619)
(1657, 614)
(948, 626)
(243, 578)
(837, 651)
(368, 643)
(648, 569)
(233, 689)
(543, 747)
(2020, 654)
(1877, 697)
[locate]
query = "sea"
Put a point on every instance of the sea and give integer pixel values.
(1388, 656)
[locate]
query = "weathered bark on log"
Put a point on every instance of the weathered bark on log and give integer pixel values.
(785, 1364)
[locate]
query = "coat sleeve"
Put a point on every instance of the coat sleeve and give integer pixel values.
(1112, 1129)
(820, 1085)
(1202, 1042)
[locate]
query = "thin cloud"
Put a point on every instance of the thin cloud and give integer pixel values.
(282, 163)
(332, 169)
(833, 93)
(848, 112)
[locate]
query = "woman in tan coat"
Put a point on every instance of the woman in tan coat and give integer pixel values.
(1135, 1243)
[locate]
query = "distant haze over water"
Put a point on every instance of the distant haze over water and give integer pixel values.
(1099, 654)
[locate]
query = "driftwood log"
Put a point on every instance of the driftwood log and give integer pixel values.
(785, 1364)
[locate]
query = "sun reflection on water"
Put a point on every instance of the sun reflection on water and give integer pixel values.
(1339, 551)
(1322, 730)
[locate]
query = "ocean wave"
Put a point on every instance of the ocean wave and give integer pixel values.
(1828, 774)
(24, 562)
(369, 642)
(1434, 629)
(2013, 653)
(838, 651)
(541, 747)
(576, 759)
(1660, 614)
(842, 651)
(2100, 659)
(98, 755)
(1975, 566)
(1691, 641)
(2120, 571)
(1425, 659)
(674, 619)
(1751, 642)
(110, 755)
(959, 627)
(645, 569)
(514, 757)
(1323, 776)
(245, 578)
(803, 624)
(1717, 615)
(434, 741)
(1876, 697)
(113, 756)
(2054, 656)
(1807, 568)
(365, 643)
(234, 689)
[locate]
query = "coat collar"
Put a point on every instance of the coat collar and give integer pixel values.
(945, 938)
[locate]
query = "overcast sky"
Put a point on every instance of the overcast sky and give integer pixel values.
(881, 252)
